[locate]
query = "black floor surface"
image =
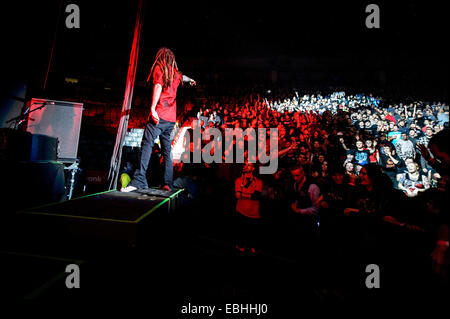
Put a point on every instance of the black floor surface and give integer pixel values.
(190, 258)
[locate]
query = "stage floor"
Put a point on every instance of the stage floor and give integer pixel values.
(108, 216)
(110, 205)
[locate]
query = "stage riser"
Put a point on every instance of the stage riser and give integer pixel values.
(68, 221)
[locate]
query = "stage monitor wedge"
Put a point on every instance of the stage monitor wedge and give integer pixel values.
(60, 119)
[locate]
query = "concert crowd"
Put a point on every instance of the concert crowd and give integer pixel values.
(359, 181)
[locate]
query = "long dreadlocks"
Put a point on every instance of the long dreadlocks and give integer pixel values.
(165, 59)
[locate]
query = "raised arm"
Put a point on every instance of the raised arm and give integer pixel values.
(187, 79)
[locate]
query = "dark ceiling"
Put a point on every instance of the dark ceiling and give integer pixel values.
(411, 30)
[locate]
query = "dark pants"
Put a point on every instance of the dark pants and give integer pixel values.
(163, 129)
(248, 231)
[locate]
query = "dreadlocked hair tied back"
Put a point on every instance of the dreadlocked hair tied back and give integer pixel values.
(165, 59)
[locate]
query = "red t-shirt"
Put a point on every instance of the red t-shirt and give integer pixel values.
(167, 104)
(372, 156)
(390, 118)
(248, 207)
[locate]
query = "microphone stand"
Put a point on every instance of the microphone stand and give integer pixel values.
(18, 120)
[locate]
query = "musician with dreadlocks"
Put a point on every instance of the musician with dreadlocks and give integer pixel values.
(162, 118)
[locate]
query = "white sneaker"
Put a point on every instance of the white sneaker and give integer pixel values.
(128, 189)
